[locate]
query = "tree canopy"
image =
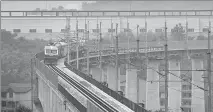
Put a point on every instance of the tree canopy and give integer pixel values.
(22, 108)
(16, 55)
(177, 33)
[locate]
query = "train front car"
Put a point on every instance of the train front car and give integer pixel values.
(51, 54)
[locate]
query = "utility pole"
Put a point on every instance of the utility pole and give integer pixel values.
(88, 30)
(128, 43)
(0, 55)
(32, 95)
(68, 39)
(100, 53)
(77, 45)
(187, 38)
(209, 68)
(166, 70)
(85, 31)
(146, 55)
(88, 50)
(112, 38)
(116, 50)
(140, 65)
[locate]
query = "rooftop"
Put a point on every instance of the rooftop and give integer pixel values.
(17, 87)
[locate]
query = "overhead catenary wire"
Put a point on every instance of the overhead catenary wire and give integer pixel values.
(159, 72)
(168, 81)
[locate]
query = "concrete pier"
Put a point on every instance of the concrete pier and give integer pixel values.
(197, 94)
(131, 84)
(152, 87)
(174, 87)
(51, 99)
(96, 73)
(132, 74)
(111, 77)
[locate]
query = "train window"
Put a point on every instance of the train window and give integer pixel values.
(48, 51)
(54, 51)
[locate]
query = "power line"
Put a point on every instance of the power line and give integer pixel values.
(161, 73)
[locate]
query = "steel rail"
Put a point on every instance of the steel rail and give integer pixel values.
(91, 96)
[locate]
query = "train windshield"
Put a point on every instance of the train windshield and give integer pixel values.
(48, 51)
(54, 51)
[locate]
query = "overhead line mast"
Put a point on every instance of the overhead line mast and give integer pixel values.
(67, 30)
(166, 70)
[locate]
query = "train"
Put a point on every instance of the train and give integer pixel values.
(54, 51)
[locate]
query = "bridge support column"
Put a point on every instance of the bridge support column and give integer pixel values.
(152, 88)
(123, 78)
(50, 98)
(131, 84)
(111, 77)
(104, 74)
(132, 75)
(174, 85)
(96, 73)
(197, 103)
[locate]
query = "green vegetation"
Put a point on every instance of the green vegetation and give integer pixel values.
(178, 33)
(22, 108)
(16, 55)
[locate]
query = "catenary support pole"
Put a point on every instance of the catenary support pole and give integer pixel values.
(187, 38)
(128, 31)
(88, 69)
(112, 38)
(209, 68)
(77, 45)
(100, 53)
(116, 50)
(68, 38)
(166, 70)
(32, 95)
(0, 51)
(138, 68)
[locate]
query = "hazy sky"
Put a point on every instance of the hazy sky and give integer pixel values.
(24, 5)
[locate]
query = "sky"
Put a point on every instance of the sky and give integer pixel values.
(24, 5)
(31, 5)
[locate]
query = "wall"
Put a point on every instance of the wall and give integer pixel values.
(23, 98)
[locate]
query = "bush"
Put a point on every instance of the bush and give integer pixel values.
(22, 108)
(16, 55)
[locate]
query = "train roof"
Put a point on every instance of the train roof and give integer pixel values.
(60, 44)
(50, 47)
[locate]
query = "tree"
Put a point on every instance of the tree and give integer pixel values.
(60, 8)
(150, 36)
(201, 37)
(37, 9)
(177, 33)
(22, 108)
(54, 9)
(16, 55)
(123, 37)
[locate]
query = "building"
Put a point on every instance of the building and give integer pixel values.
(15, 94)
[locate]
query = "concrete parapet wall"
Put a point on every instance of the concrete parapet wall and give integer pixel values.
(50, 97)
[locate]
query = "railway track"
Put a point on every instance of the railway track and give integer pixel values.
(105, 107)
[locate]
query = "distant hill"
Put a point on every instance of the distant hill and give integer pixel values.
(140, 5)
(59, 8)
